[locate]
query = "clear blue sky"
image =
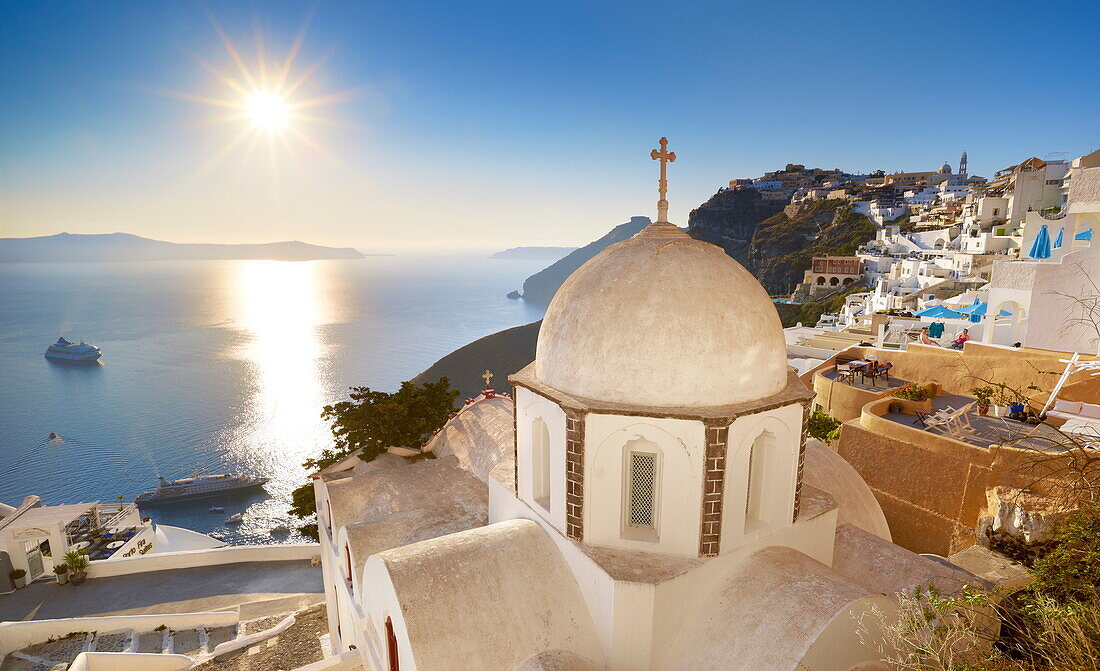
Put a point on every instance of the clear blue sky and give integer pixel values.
(512, 122)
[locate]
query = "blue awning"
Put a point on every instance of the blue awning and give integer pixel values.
(1058, 240)
(1084, 235)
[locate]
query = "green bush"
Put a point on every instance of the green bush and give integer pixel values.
(1072, 569)
(823, 426)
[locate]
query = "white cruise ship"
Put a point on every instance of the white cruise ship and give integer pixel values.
(199, 487)
(64, 350)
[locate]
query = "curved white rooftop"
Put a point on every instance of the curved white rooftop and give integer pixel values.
(662, 319)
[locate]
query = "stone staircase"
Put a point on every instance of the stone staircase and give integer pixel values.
(197, 643)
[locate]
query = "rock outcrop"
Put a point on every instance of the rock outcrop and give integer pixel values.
(730, 219)
(541, 287)
(777, 242)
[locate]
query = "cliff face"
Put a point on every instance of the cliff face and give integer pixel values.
(777, 244)
(730, 218)
(541, 287)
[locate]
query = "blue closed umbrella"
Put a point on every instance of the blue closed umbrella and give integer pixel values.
(1084, 235)
(1058, 240)
(1040, 249)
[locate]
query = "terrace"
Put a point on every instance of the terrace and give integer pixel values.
(983, 431)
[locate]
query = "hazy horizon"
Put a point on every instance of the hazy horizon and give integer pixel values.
(430, 125)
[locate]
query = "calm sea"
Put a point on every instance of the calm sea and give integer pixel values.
(219, 366)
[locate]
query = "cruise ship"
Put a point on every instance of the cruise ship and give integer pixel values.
(63, 350)
(199, 487)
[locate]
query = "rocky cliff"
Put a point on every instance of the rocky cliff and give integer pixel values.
(541, 287)
(775, 242)
(730, 219)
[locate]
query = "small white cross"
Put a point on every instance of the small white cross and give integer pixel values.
(487, 376)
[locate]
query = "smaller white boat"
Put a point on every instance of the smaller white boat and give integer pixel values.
(235, 519)
(63, 350)
(216, 509)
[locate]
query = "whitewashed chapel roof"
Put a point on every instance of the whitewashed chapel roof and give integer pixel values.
(662, 319)
(393, 501)
(765, 615)
(494, 597)
(827, 470)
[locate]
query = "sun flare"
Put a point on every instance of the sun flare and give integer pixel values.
(271, 101)
(267, 110)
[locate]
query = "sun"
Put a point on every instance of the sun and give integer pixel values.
(267, 111)
(271, 101)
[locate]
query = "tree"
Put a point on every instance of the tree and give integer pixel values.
(372, 421)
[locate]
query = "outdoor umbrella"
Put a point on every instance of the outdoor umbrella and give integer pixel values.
(1058, 240)
(976, 311)
(939, 312)
(1040, 249)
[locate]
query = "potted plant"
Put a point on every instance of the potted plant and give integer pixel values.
(78, 566)
(18, 577)
(983, 396)
(1001, 398)
(62, 573)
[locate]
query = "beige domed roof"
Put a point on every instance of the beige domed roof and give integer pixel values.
(664, 320)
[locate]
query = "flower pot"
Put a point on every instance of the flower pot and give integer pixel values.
(20, 582)
(62, 578)
(1016, 407)
(77, 579)
(1000, 410)
(983, 410)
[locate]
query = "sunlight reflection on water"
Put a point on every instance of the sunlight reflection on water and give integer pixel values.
(219, 366)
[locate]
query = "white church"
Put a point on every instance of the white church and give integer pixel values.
(648, 501)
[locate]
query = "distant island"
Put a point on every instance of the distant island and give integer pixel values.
(536, 253)
(69, 247)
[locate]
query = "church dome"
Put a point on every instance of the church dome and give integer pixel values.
(664, 320)
(945, 168)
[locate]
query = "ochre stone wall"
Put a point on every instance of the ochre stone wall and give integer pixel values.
(957, 372)
(932, 488)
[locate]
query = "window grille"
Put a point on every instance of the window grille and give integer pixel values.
(643, 488)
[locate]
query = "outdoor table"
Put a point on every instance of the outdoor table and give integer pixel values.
(82, 545)
(115, 545)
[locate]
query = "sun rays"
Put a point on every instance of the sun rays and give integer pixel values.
(272, 102)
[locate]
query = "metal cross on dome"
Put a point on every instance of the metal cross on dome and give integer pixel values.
(665, 157)
(487, 376)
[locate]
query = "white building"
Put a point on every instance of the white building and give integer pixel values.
(1037, 291)
(659, 508)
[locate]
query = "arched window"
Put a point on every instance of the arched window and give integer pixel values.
(833, 281)
(391, 647)
(540, 463)
(821, 280)
(847, 281)
(761, 473)
(347, 562)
